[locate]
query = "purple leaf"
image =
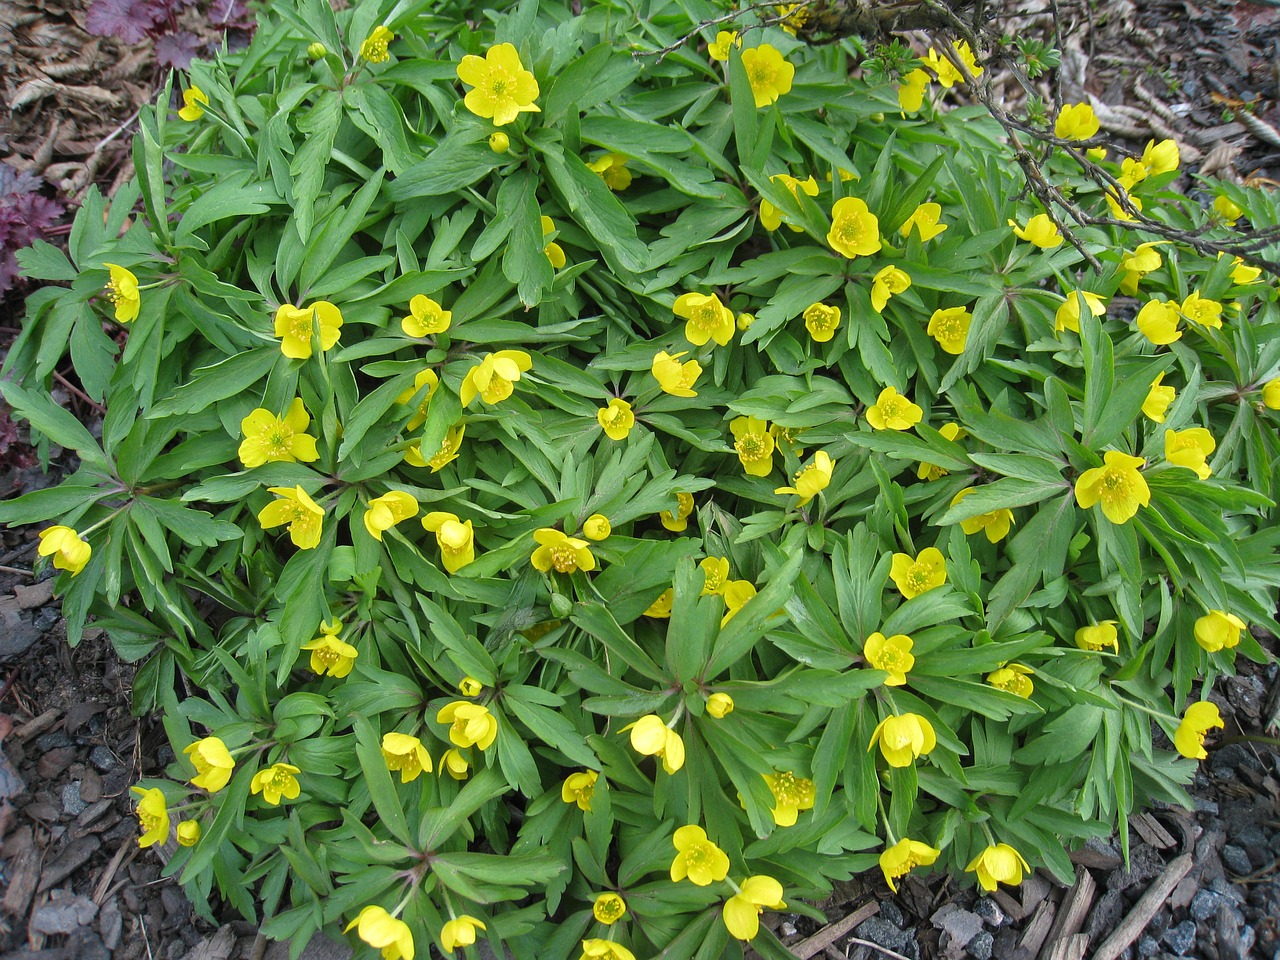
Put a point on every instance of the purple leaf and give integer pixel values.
(176, 49)
(24, 217)
(128, 20)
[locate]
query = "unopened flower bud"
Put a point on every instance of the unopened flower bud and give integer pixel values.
(597, 527)
(499, 142)
(745, 320)
(317, 51)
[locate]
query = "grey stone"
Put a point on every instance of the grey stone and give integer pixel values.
(51, 741)
(892, 912)
(1236, 860)
(103, 759)
(911, 949)
(958, 924)
(1181, 938)
(1205, 905)
(1206, 806)
(64, 916)
(1147, 946)
(72, 803)
(990, 912)
(881, 931)
(17, 634)
(981, 946)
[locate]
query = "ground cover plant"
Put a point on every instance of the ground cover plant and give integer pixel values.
(584, 479)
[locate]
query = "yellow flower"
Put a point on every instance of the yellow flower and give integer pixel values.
(680, 520)
(855, 230)
(745, 320)
(499, 142)
(1132, 173)
(1158, 400)
(1040, 231)
(384, 932)
(1189, 448)
(718, 49)
(792, 16)
(566, 554)
(769, 73)
(950, 327)
(898, 860)
(893, 411)
(153, 816)
(406, 754)
(374, 48)
(553, 250)
(503, 87)
(1227, 210)
(304, 516)
(1096, 154)
(821, 321)
(754, 443)
(888, 282)
(1144, 259)
(653, 738)
(1013, 677)
(929, 471)
(1096, 636)
(426, 317)
(946, 71)
(914, 577)
(189, 833)
(470, 724)
(597, 527)
(903, 738)
(460, 932)
(423, 378)
(1218, 629)
(736, 594)
(742, 911)
(892, 655)
(494, 377)
(447, 453)
(661, 608)
(812, 480)
(715, 574)
(68, 549)
(387, 510)
(1158, 322)
(697, 857)
(1119, 484)
(329, 655)
(1068, 315)
(674, 377)
(1162, 157)
(1076, 122)
(1271, 394)
(454, 763)
(707, 318)
(275, 782)
(791, 794)
(609, 908)
(597, 949)
(295, 326)
(1112, 196)
(213, 764)
(998, 864)
(995, 524)
(470, 687)
(194, 101)
(720, 705)
(456, 539)
(770, 216)
(1201, 717)
(1207, 313)
(122, 290)
(578, 788)
(271, 439)
(612, 168)
(911, 91)
(1242, 273)
(925, 220)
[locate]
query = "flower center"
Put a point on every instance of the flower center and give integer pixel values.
(890, 660)
(327, 655)
(564, 558)
(714, 581)
(1115, 486)
(280, 779)
(611, 909)
(706, 316)
(150, 821)
(786, 789)
(948, 329)
(850, 230)
(278, 440)
(752, 447)
(893, 409)
(300, 326)
(697, 856)
(498, 82)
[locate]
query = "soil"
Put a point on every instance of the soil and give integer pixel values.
(75, 886)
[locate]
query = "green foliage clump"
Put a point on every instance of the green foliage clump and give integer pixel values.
(593, 501)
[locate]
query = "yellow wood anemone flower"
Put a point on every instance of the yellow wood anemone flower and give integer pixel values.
(1158, 400)
(494, 377)
(1068, 314)
(429, 379)
(387, 510)
(597, 949)
(931, 471)
(153, 816)
(612, 168)
(1013, 678)
(741, 913)
(1039, 231)
(855, 230)
(295, 327)
(405, 753)
(950, 327)
(771, 216)
(1201, 717)
(768, 72)
(899, 860)
(994, 524)
(697, 858)
(708, 318)
(736, 594)
(456, 539)
(719, 705)
(998, 864)
(553, 250)
(718, 49)
(811, 480)
(276, 782)
(563, 553)
(293, 506)
(1190, 448)
(924, 219)
(579, 787)
(911, 91)
(470, 724)
(651, 737)
(1097, 636)
(374, 47)
(448, 452)
(194, 100)
(893, 411)
(1217, 630)
(890, 654)
(715, 575)
(213, 763)
(503, 88)
(661, 608)
(426, 317)
(888, 282)
(455, 764)
(674, 377)
(384, 932)
(678, 521)
(1271, 394)
(329, 655)
(597, 527)
(791, 794)
(822, 321)
(1158, 321)
(1162, 157)
(1076, 122)
(914, 576)
(122, 290)
(271, 439)
(754, 444)
(903, 738)
(1144, 259)
(188, 833)
(609, 908)
(69, 550)
(1118, 484)
(616, 418)
(460, 931)
(1202, 311)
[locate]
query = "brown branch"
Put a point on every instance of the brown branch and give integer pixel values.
(845, 18)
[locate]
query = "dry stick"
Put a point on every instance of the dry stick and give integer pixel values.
(854, 941)
(1144, 909)
(829, 934)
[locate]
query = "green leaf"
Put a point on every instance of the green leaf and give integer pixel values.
(524, 263)
(596, 209)
(54, 422)
(750, 623)
(377, 778)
